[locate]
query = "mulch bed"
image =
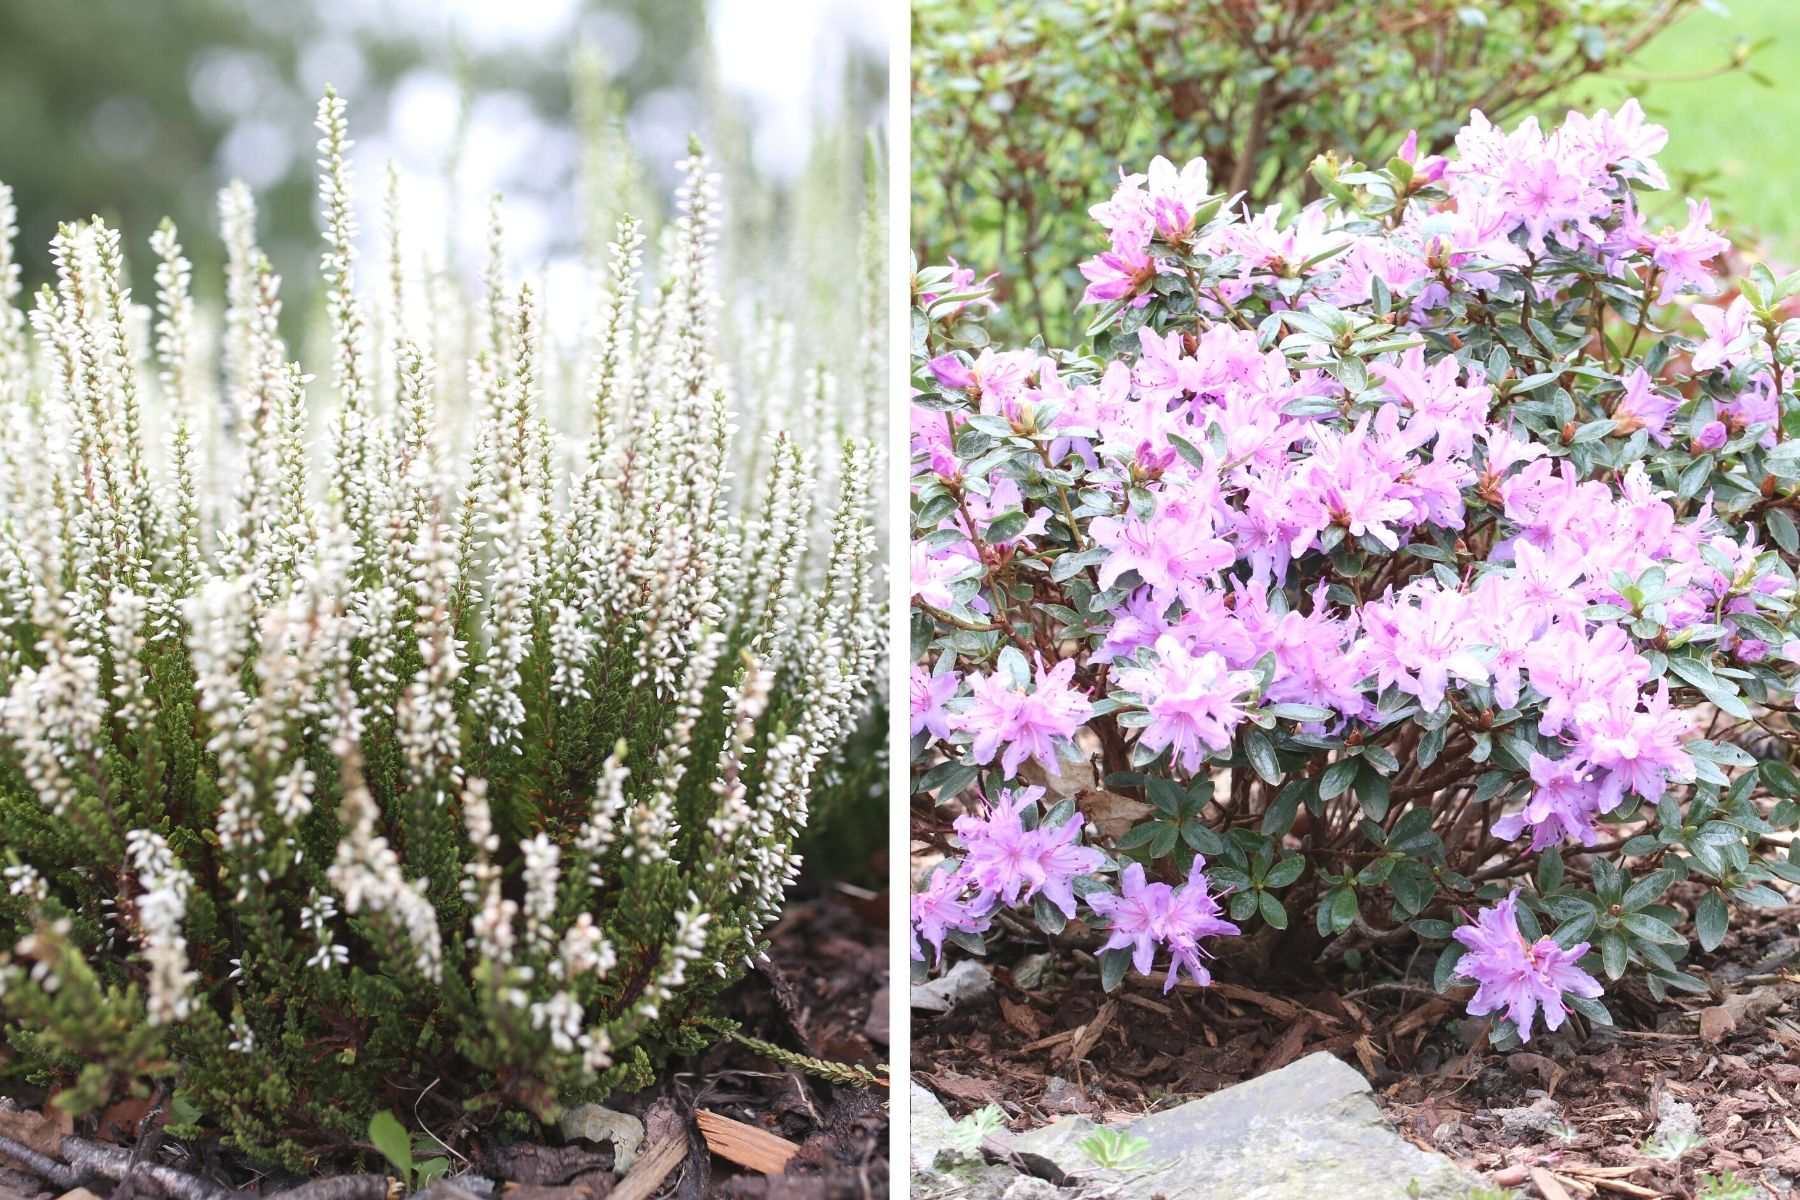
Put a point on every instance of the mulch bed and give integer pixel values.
(1569, 1115)
(823, 994)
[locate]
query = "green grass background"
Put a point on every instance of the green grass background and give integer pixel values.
(1731, 137)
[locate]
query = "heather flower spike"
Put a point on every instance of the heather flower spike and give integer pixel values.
(480, 755)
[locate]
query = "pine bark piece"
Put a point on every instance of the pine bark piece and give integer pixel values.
(745, 1145)
(1548, 1186)
(652, 1167)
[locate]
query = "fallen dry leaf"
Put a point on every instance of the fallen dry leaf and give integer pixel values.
(1022, 1018)
(42, 1133)
(1112, 815)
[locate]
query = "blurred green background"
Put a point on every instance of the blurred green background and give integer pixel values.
(132, 109)
(1730, 134)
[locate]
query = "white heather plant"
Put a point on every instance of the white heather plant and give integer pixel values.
(341, 764)
(1406, 568)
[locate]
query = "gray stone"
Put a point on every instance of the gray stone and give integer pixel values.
(967, 980)
(1540, 1116)
(930, 1126)
(1306, 1132)
(939, 1167)
(1675, 1119)
(1030, 1187)
(597, 1123)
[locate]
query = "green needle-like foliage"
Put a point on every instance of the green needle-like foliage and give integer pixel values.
(444, 731)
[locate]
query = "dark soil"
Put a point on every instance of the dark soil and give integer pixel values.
(1592, 1111)
(823, 994)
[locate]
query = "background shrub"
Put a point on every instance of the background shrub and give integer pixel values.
(1024, 111)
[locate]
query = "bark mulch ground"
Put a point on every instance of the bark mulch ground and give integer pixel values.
(728, 1122)
(1592, 1112)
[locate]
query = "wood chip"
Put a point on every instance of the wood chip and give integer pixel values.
(743, 1144)
(651, 1168)
(1626, 1189)
(1548, 1186)
(1368, 1056)
(1716, 1023)
(1055, 1039)
(1144, 1002)
(1021, 1017)
(1288, 1047)
(1428, 1013)
(1088, 1036)
(1285, 1009)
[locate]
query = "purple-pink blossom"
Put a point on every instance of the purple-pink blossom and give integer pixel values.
(944, 906)
(1566, 796)
(1518, 976)
(1729, 334)
(930, 692)
(1643, 407)
(1145, 916)
(1010, 864)
(1016, 724)
(1194, 701)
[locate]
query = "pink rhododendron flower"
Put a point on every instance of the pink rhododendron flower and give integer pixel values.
(1144, 916)
(1562, 806)
(930, 692)
(1176, 547)
(1422, 640)
(1641, 407)
(944, 907)
(1728, 333)
(1009, 864)
(1518, 976)
(1638, 746)
(933, 573)
(1193, 701)
(1682, 254)
(1115, 275)
(1017, 724)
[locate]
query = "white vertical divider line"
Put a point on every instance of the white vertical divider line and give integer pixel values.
(899, 587)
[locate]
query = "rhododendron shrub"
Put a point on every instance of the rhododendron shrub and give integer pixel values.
(380, 743)
(1020, 106)
(1407, 565)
